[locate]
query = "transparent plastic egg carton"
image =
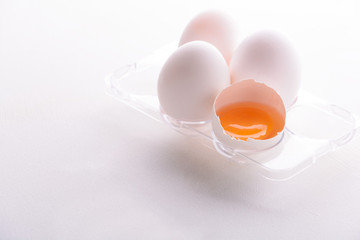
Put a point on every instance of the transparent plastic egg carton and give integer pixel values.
(313, 127)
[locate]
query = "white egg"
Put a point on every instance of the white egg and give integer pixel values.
(253, 97)
(268, 57)
(190, 80)
(216, 28)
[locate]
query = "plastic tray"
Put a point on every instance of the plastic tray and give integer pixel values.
(313, 127)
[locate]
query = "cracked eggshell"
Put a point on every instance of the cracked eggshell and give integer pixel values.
(268, 57)
(216, 28)
(190, 80)
(246, 91)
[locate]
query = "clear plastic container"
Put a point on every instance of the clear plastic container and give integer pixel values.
(313, 127)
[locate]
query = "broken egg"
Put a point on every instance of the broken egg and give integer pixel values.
(248, 116)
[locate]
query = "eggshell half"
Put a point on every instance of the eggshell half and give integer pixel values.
(246, 91)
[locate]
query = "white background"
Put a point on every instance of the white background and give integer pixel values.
(77, 164)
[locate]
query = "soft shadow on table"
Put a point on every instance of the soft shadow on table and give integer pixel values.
(178, 158)
(208, 171)
(211, 174)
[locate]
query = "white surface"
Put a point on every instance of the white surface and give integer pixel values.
(76, 164)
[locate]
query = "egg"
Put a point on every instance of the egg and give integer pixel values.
(268, 57)
(213, 27)
(248, 116)
(189, 81)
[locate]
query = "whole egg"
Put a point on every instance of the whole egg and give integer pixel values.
(216, 28)
(189, 81)
(268, 57)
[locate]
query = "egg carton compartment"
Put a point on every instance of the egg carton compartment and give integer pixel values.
(313, 126)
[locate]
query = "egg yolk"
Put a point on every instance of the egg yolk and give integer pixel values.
(251, 120)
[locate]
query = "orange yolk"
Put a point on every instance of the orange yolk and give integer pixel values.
(250, 120)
